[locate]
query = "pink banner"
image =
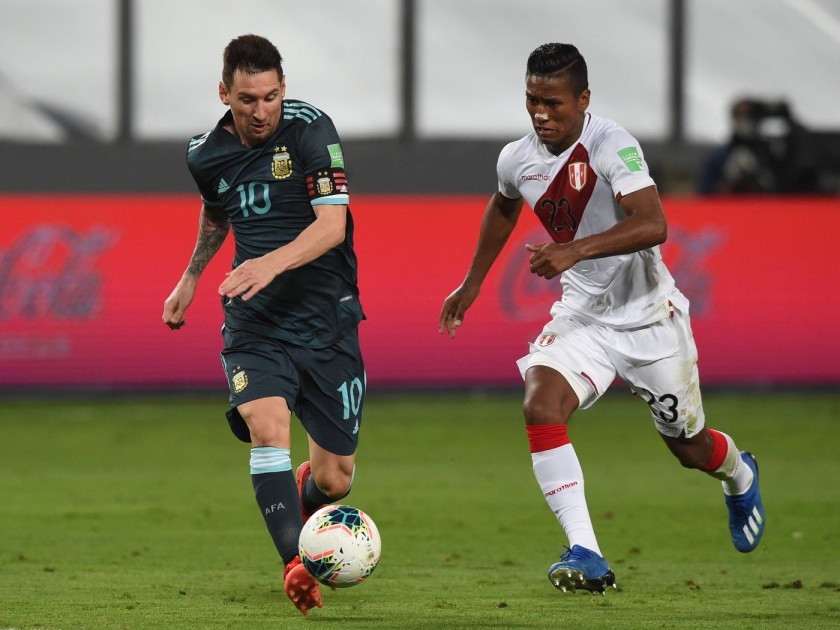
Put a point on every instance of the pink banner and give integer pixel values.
(83, 280)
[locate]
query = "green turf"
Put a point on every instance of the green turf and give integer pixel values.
(139, 514)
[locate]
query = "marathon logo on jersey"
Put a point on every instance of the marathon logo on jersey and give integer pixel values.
(546, 340)
(281, 163)
(631, 158)
(541, 177)
(577, 175)
(324, 184)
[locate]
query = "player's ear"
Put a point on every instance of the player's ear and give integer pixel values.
(282, 87)
(583, 101)
(224, 95)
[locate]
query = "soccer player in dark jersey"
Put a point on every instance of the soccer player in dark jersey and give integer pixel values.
(273, 170)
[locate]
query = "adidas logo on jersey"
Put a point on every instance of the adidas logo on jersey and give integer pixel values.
(223, 186)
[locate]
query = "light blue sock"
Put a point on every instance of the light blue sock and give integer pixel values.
(277, 497)
(266, 459)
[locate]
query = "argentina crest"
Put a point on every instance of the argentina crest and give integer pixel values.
(324, 184)
(281, 163)
(239, 381)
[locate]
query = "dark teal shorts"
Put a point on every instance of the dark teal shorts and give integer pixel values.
(324, 387)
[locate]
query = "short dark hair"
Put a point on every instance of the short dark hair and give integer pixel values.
(563, 60)
(251, 54)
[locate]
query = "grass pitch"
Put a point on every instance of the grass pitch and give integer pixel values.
(139, 514)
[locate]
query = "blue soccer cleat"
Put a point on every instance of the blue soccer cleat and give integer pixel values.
(746, 513)
(580, 568)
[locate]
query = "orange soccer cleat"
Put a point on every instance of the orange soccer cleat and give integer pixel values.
(303, 473)
(300, 587)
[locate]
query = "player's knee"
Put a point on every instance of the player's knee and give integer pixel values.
(534, 413)
(691, 452)
(267, 433)
(336, 484)
(691, 458)
(688, 462)
(540, 411)
(336, 488)
(267, 424)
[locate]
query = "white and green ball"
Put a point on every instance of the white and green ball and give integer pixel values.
(340, 545)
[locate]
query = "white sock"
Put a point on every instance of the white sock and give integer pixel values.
(735, 476)
(560, 477)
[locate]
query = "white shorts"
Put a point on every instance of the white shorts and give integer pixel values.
(658, 362)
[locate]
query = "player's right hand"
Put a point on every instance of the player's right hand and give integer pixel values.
(176, 305)
(172, 315)
(175, 325)
(454, 307)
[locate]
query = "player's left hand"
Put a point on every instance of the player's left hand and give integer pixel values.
(248, 279)
(549, 260)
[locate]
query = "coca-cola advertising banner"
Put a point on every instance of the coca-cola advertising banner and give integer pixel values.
(83, 280)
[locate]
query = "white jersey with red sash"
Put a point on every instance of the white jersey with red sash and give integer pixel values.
(576, 194)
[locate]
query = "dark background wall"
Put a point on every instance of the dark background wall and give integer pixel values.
(80, 117)
(374, 166)
(399, 159)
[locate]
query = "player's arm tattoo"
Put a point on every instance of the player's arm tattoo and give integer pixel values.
(213, 227)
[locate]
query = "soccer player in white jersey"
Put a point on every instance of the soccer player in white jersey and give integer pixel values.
(620, 313)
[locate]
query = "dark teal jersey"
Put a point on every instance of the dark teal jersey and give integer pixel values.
(268, 193)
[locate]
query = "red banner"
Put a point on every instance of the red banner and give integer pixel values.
(83, 280)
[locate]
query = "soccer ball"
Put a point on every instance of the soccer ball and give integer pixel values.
(340, 545)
